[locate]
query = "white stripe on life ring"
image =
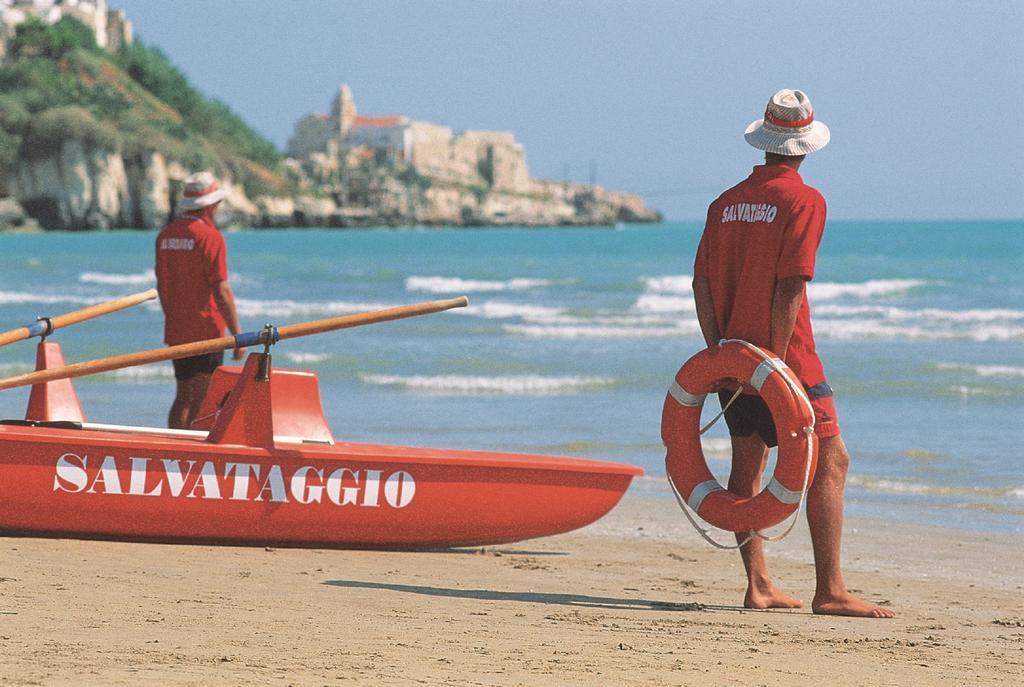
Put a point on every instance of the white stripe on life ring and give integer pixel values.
(700, 492)
(784, 494)
(763, 371)
(684, 397)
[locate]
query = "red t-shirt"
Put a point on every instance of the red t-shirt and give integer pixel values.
(765, 228)
(191, 259)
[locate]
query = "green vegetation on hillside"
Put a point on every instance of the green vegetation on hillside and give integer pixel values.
(58, 86)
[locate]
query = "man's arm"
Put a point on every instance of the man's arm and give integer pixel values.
(225, 299)
(789, 294)
(706, 311)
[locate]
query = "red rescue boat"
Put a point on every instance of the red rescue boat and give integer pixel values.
(266, 470)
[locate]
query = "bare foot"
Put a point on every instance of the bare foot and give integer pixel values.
(769, 597)
(848, 604)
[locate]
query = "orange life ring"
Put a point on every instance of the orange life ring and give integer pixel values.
(794, 421)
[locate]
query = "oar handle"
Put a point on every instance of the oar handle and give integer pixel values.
(223, 343)
(47, 325)
(330, 324)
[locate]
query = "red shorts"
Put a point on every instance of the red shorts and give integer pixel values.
(749, 414)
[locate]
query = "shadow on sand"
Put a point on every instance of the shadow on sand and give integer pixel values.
(523, 597)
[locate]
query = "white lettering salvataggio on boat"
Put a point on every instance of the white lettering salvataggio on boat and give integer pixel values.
(191, 479)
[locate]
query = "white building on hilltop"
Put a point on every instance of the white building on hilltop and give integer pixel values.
(111, 27)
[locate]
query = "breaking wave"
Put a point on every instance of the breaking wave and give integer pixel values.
(304, 358)
(895, 486)
(143, 373)
(596, 331)
(26, 297)
(521, 385)
(288, 308)
(496, 310)
(874, 287)
(681, 284)
(148, 277)
(456, 285)
(984, 370)
(660, 303)
(862, 329)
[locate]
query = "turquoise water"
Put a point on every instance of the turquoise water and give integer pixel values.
(573, 336)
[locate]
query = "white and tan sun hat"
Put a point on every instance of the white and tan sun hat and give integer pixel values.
(201, 189)
(788, 127)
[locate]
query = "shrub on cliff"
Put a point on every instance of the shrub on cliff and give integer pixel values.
(34, 37)
(55, 127)
(208, 117)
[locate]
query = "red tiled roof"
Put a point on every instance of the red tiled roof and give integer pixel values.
(388, 120)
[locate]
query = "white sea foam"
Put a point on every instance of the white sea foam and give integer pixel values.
(303, 358)
(718, 447)
(144, 373)
(660, 303)
(679, 284)
(27, 297)
(867, 289)
(496, 310)
(879, 329)
(984, 370)
(582, 331)
(937, 315)
(147, 277)
(288, 308)
(457, 285)
(682, 284)
(510, 385)
(896, 486)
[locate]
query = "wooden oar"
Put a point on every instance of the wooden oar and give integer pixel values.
(225, 342)
(41, 328)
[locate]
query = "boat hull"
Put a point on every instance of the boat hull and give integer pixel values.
(110, 485)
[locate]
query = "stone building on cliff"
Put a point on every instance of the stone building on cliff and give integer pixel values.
(390, 169)
(491, 159)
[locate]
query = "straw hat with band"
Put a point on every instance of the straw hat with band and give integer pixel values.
(788, 127)
(201, 189)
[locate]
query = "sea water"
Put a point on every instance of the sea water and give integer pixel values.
(572, 338)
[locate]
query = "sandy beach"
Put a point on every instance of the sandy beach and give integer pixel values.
(636, 599)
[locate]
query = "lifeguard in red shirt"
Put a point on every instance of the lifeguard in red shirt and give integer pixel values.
(753, 263)
(192, 279)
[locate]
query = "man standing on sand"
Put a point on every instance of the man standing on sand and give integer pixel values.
(192, 279)
(754, 260)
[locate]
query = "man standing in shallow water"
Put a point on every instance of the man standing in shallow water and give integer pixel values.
(753, 263)
(192, 279)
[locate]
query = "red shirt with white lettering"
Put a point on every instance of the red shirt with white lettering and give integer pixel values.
(767, 227)
(191, 259)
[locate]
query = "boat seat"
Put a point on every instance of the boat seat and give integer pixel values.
(295, 397)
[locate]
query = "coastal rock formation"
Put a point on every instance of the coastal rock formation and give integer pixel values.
(78, 186)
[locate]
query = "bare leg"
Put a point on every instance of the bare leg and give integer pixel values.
(825, 518)
(189, 396)
(749, 456)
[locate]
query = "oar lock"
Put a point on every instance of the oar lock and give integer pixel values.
(266, 337)
(42, 328)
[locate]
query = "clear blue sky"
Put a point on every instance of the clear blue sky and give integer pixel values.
(925, 99)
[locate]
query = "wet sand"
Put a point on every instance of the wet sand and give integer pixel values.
(636, 599)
